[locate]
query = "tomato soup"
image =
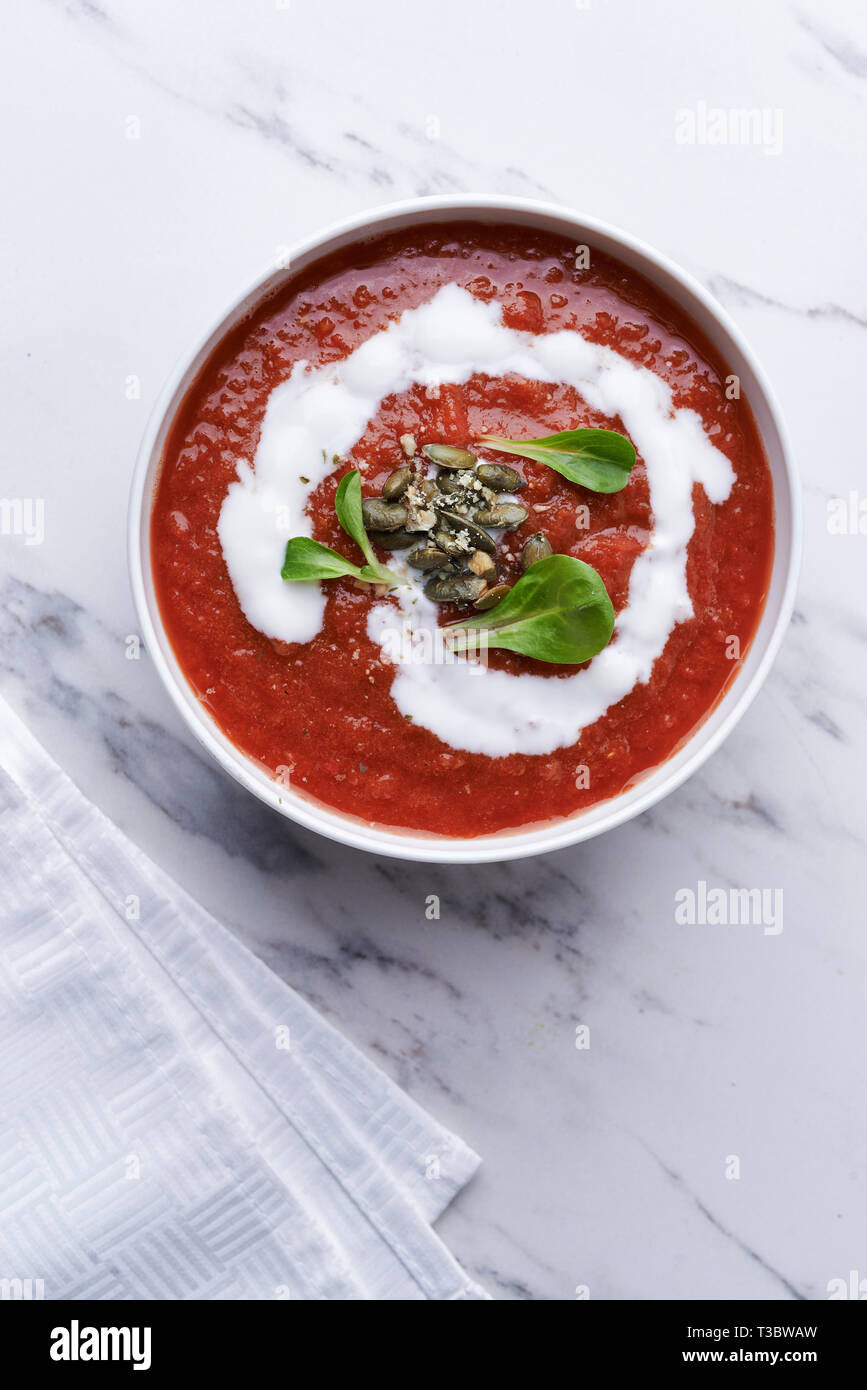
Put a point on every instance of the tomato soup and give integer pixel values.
(436, 337)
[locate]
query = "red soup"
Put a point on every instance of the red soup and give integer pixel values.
(436, 337)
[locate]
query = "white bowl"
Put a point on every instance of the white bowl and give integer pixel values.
(537, 839)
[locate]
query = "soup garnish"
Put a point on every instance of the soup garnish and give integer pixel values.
(599, 459)
(559, 609)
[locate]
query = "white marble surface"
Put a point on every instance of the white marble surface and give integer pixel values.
(259, 122)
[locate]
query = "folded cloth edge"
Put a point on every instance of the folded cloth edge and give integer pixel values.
(79, 826)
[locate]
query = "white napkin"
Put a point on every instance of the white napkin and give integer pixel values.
(175, 1122)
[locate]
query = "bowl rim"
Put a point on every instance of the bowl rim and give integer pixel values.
(539, 837)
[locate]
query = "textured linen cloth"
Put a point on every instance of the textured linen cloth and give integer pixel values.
(175, 1122)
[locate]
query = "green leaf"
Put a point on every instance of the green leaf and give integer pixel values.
(308, 559)
(347, 504)
(378, 574)
(601, 460)
(558, 611)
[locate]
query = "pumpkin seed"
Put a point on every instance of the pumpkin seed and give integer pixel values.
(454, 548)
(393, 540)
(428, 557)
(455, 589)
(538, 547)
(449, 482)
(382, 516)
(503, 514)
(479, 538)
(500, 478)
(396, 483)
(448, 457)
(492, 596)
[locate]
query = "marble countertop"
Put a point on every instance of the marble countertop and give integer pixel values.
(710, 1142)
